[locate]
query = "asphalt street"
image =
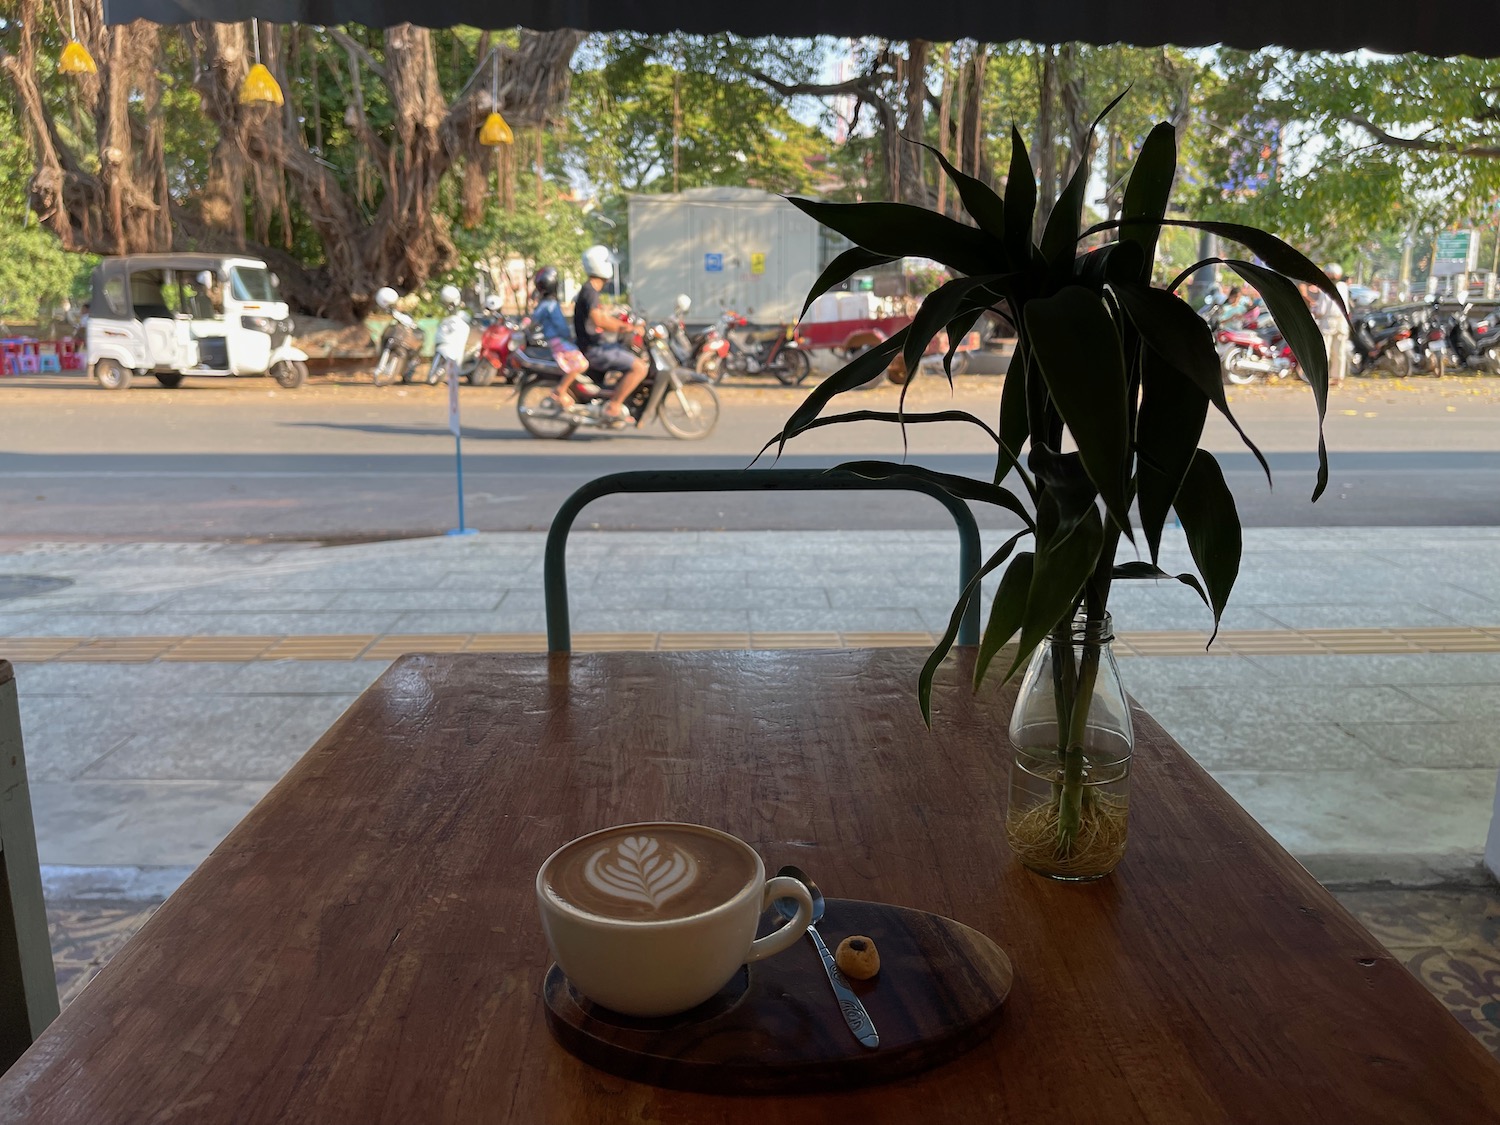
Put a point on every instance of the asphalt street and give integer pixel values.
(337, 461)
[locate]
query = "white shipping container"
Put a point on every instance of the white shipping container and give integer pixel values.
(726, 248)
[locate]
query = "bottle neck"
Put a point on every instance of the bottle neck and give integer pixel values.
(1083, 632)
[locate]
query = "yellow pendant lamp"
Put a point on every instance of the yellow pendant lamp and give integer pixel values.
(75, 58)
(495, 131)
(259, 87)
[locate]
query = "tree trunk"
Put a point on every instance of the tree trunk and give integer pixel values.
(383, 231)
(914, 156)
(945, 111)
(1044, 139)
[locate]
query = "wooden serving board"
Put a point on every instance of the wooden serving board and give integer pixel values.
(776, 1028)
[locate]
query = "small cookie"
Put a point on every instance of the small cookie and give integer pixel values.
(857, 958)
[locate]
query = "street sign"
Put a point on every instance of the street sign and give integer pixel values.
(1457, 252)
(757, 263)
(713, 263)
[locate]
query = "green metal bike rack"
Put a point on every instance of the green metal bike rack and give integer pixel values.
(554, 568)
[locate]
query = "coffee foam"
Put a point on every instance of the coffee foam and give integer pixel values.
(649, 873)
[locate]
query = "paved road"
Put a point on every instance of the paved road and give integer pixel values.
(239, 460)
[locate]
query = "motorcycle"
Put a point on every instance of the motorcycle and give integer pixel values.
(509, 348)
(1430, 340)
(400, 348)
(452, 340)
(682, 399)
(1253, 351)
(760, 350)
(1474, 344)
(1245, 355)
(1382, 341)
(703, 352)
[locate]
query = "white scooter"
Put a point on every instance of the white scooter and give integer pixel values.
(452, 337)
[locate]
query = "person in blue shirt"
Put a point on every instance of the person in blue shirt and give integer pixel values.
(548, 312)
(548, 315)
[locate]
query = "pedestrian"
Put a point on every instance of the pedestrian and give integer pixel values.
(1334, 325)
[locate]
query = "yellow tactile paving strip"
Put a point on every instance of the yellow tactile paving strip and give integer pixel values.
(206, 648)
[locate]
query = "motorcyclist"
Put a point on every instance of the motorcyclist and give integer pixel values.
(548, 315)
(591, 321)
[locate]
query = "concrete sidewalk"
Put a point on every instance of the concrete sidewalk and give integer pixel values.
(1353, 708)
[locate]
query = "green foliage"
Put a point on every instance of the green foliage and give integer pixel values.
(728, 129)
(1349, 148)
(1124, 372)
(36, 274)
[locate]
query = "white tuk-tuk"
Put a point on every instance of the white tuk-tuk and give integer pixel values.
(174, 315)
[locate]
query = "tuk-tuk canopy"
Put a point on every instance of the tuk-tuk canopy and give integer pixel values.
(1441, 27)
(112, 296)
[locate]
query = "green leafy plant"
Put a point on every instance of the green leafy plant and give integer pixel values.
(1128, 371)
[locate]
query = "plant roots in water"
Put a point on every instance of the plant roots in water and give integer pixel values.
(1094, 852)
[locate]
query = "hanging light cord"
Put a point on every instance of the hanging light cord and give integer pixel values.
(254, 34)
(72, 23)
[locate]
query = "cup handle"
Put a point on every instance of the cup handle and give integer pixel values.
(783, 886)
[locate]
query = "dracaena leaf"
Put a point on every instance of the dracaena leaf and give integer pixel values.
(1137, 570)
(891, 416)
(1007, 612)
(979, 199)
(1020, 203)
(959, 327)
(1212, 527)
(1148, 191)
(1060, 238)
(1077, 346)
(965, 488)
(845, 266)
(1169, 325)
(856, 373)
(1291, 314)
(937, 309)
(900, 230)
(945, 642)
(1281, 257)
(1063, 564)
(1168, 425)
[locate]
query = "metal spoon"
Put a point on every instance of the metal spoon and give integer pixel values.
(854, 1012)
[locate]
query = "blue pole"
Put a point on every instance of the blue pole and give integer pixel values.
(458, 447)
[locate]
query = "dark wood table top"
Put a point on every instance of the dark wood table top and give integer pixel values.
(364, 947)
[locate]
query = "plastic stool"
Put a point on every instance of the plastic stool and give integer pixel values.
(29, 364)
(49, 361)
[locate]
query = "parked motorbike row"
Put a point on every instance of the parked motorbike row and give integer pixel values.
(514, 351)
(1399, 341)
(734, 346)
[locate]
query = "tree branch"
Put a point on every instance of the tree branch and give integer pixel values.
(859, 87)
(355, 47)
(1417, 144)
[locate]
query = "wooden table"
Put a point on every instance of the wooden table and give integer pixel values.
(364, 948)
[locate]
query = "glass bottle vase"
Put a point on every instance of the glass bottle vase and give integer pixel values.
(1070, 776)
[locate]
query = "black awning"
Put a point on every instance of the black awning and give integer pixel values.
(1440, 27)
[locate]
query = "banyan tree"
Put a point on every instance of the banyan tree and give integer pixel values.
(348, 172)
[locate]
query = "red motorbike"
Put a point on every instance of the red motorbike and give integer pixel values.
(509, 349)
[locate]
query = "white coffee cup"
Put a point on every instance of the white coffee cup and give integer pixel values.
(653, 919)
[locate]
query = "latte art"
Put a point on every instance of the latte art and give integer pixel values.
(638, 869)
(650, 873)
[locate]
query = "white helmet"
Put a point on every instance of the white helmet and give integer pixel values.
(386, 297)
(1334, 270)
(599, 262)
(450, 296)
(684, 302)
(493, 303)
